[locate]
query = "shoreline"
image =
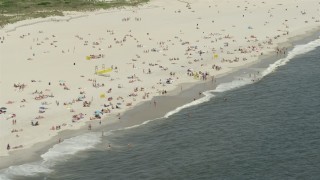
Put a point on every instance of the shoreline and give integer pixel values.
(174, 99)
(143, 49)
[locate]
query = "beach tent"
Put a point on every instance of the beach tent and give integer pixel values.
(215, 56)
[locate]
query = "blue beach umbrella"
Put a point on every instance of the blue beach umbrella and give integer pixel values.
(97, 112)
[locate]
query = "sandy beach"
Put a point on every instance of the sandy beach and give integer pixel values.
(86, 70)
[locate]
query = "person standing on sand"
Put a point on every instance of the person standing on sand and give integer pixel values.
(89, 127)
(8, 147)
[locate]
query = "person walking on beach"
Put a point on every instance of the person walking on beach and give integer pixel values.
(89, 127)
(8, 147)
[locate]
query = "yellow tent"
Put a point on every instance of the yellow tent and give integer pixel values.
(88, 58)
(215, 56)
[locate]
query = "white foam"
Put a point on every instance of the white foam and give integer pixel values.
(72, 146)
(29, 169)
(134, 126)
(3, 177)
(232, 85)
(207, 96)
(59, 152)
(297, 50)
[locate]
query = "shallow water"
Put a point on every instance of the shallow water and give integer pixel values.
(266, 130)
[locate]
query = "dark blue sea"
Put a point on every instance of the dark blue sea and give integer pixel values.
(269, 129)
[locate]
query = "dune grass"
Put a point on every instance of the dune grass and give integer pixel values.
(16, 10)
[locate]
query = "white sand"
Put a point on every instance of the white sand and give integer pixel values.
(46, 52)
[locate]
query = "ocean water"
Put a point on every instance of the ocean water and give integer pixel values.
(269, 129)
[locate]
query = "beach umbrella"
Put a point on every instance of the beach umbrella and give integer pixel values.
(97, 112)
